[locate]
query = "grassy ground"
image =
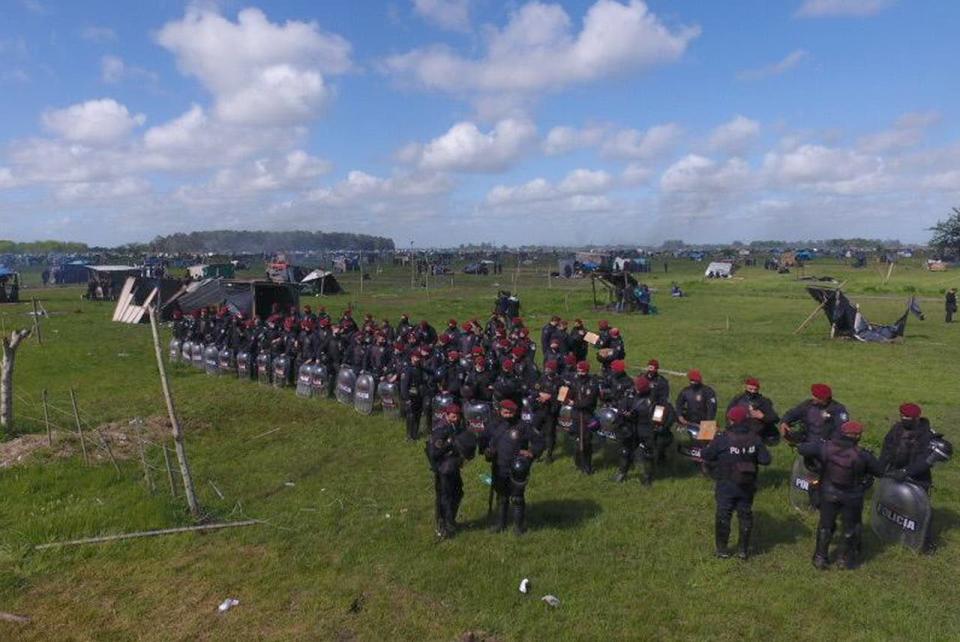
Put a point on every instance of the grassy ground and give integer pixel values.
(347, 550)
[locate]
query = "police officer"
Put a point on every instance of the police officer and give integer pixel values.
(511, 450)
(547, 334)
(737, 453)
(447, 448)
(412, 391)
(846, 471)
(583, 394)
(697, 402)
(763, 416)
(950, 303)
(659, 386)
(635, 430)
(619, 383)
(507, 385)
(550, 384)
(818, 416)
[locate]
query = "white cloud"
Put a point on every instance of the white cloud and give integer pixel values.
(947, 181)
(642, 145)
(735, 136)
(791, 60)
(86, 192)
(561, 140)
(98, 34)
(113, 70)
(94, 122)
(833, 8)
(580, 189)
(260, 73)
(908, 131)
(583, 181)
(636, 174)
(6, 178)
(828, 169)
(538, 51)
(294, 170)
(694, 173)
(453, 15)
(467, 149)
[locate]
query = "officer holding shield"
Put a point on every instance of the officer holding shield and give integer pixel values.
(448, 447)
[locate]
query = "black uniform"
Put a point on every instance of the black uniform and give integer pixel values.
(584, 392)
(550, 383)
(412, 390)
(905, 450)
(819, 422)
(950, 303)
(845, 474)
(447, 448)
(507, 439)
(766, 427)
(659, 388)
(737, 452)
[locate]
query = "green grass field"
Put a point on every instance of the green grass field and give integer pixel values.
(347, 549)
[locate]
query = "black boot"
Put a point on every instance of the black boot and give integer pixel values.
(519, 518)
(850, 559)
(501, 523)
(821, 559)
(722, 538)
(743, 544)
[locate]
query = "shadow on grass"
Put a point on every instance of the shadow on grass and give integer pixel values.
(944, 519)
(776, 530)
(561, 514)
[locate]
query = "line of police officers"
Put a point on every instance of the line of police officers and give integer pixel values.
(496, 362)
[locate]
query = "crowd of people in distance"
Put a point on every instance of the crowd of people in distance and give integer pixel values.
(490, 387)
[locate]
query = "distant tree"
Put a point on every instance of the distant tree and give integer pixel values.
(946, 234)
(8, 353)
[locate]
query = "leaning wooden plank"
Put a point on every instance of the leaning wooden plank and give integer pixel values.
(163, 531)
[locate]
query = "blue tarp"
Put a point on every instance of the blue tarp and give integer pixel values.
(5, 271)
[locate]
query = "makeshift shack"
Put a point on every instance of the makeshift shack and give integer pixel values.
(9, 285)
(566, 268)
(72, 273)
(240, 297)
(719, 270)
(139, 294)
(321, 282)
(846, 320)
(106, 281)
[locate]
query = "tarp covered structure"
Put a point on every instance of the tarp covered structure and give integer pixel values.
(211, 271)
(322, 282)
(240, 297)
(139, 294)
(719, 269)
(846, 319)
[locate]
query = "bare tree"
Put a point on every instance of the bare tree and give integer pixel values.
(10, 346)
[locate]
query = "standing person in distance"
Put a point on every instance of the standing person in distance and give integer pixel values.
(950, 303)
(448, 447)
(763, 416)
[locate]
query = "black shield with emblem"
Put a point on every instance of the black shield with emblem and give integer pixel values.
(802, 482)
(245, 366)
(228, 364)
(265, 368)
(389, 394)
(320, 378)
(440, 402)
(607, 417)
(305, 381)
(565, 418)
(364, 393)
(196, 355)
(901, 513)
(281, 371)
(186, 352)
(477, 416)
(346, 381)
(174, 350)
(211, 360)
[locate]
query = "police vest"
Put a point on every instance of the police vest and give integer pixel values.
(843, 467)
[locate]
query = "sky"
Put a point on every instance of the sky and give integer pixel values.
(441, 122)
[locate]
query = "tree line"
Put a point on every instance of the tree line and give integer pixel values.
(255, 242)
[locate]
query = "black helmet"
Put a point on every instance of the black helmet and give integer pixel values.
(520, 469)
(940, 450)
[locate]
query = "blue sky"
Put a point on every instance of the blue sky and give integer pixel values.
(449, 121)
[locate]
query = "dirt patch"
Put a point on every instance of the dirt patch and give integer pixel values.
(121, 436)
(477, 636)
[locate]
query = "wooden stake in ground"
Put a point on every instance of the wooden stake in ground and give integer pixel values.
(143, 456)
(76, 416)
(174, 422)
(9, 346)
(36, 322)
(46, 417)
(166, 463)
(889, 272)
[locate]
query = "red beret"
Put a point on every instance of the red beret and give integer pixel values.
(451, 409)
(466, 325)
(583, 366)
(425, 351)
(506, 365)
(508, 404)
(654, 363)
(453, 354)
(477, 350)
(910, 410)
(694, 375)
(604, 324)
(737, 414)
(452, 321)
(752, 381)
(642, 384)
(614, 332)
(570, 359)
(821, 391)
(619, 366)
(519, 352)
(852, 428)
(551, 364)
(517, 321)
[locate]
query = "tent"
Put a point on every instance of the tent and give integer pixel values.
(243, 297)
(322, 282)
(566, 268)
(719, 269)
(138, 294)
(74, 273)
(9, 285)
(846, 319)
(211, 271)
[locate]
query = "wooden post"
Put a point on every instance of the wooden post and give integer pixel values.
(106, 446)
(174, 422)
(143, 455)
(889, 272)
(46, 417)
(36, 322)
(360, 265)
(166, 463)
(76, 416)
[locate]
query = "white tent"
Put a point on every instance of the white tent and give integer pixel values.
(719, 269)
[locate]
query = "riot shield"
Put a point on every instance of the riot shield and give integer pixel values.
(228, 365)
(440, 401)
(175, 349)
(320, 377)
(186, 352)
(607, 417)
(196, 356)
(281, 371)
(802, 482)
(901, 513)
(211, 360)
(305, 381)
(565, 419)
(265, 368)
(245, 366)
(346, 382)
(389, 394)
(364, 393)
(477, 415)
